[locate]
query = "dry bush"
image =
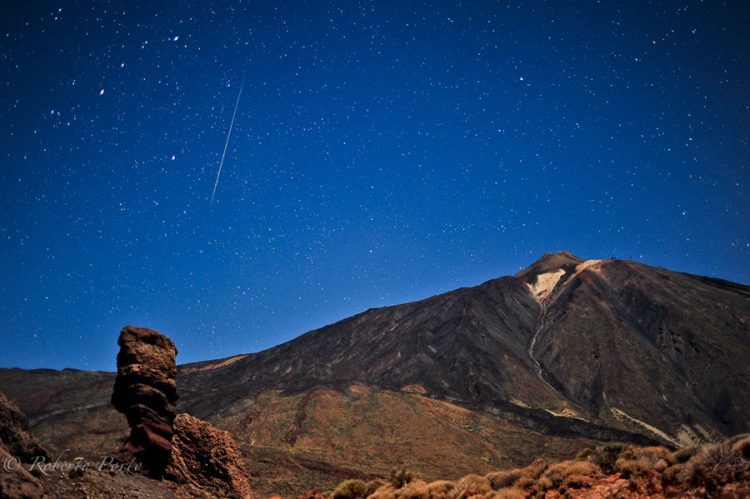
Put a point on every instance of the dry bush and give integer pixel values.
(557, 473)
(528, 484)
(441, 488)
(741, 446)
(674, 473)
(606, 456)
(313, 494)
(652, 454)
(350, 489)
(475, 481)
(416, 489)
(577, 481)
(683, 455)
(401, 477)
(374, 485)
(543, 483)
(633, 467)
(715, 465)
(661, 465)
(472, 485)
(502, 479)
(584, 454)
(733, 440)
(508, 478)
(472, 492)
(535, 469)
(386, 491)
(510, 493)
(636, 461)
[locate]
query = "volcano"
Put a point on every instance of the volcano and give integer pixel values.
(566, 353)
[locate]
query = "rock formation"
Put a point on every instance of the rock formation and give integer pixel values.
(14, 433)
(206, 457)
(146, 392)
(181, 448)
(17, 447)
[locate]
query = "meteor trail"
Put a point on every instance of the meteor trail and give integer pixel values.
(226, 144)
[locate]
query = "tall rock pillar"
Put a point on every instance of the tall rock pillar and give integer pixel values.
(146, 392)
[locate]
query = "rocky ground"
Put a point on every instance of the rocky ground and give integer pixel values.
(165, 455)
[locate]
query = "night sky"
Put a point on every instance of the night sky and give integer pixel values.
(382, 152)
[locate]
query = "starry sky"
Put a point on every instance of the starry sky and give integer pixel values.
(382, 152)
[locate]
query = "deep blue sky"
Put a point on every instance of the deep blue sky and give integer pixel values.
(382, 152)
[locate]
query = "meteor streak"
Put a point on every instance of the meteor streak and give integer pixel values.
(226, 144)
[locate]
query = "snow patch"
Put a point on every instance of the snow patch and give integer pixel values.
(544, 284)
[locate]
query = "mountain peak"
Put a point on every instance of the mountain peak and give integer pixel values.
(550, 262)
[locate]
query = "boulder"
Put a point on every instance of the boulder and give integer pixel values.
(17, 447)
(15, 480)
(14, 433)
(207, 458)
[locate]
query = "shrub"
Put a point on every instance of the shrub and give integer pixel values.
(374, 485)
(557, 473)
(350, 489)
(584, 454)
(470, 486)
(661, 465)
(416, 489)
(440, 488)
(741, 447)
(469, 492)
(517, 476)
(386, 491)
(511, 493)
(544, 483)
(311, 494)
(683, 455)
(501, 479)
(614, 447)
(605, 457)
(636, 461)
(577, 481)
(474, 481)
(733, 440)
(401, 477)
(652, 454)
(633, 467)
(674, 473)
(713, 466)
(535, 469)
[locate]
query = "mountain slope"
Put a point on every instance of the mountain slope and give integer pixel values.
(661, 347)
(564, 354)
(612, 343)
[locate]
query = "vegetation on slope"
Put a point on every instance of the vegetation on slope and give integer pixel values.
(612, 470)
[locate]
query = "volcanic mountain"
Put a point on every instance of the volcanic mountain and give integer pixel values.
(566, 353)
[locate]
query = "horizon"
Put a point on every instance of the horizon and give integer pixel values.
(299, 334)
(234, 174)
